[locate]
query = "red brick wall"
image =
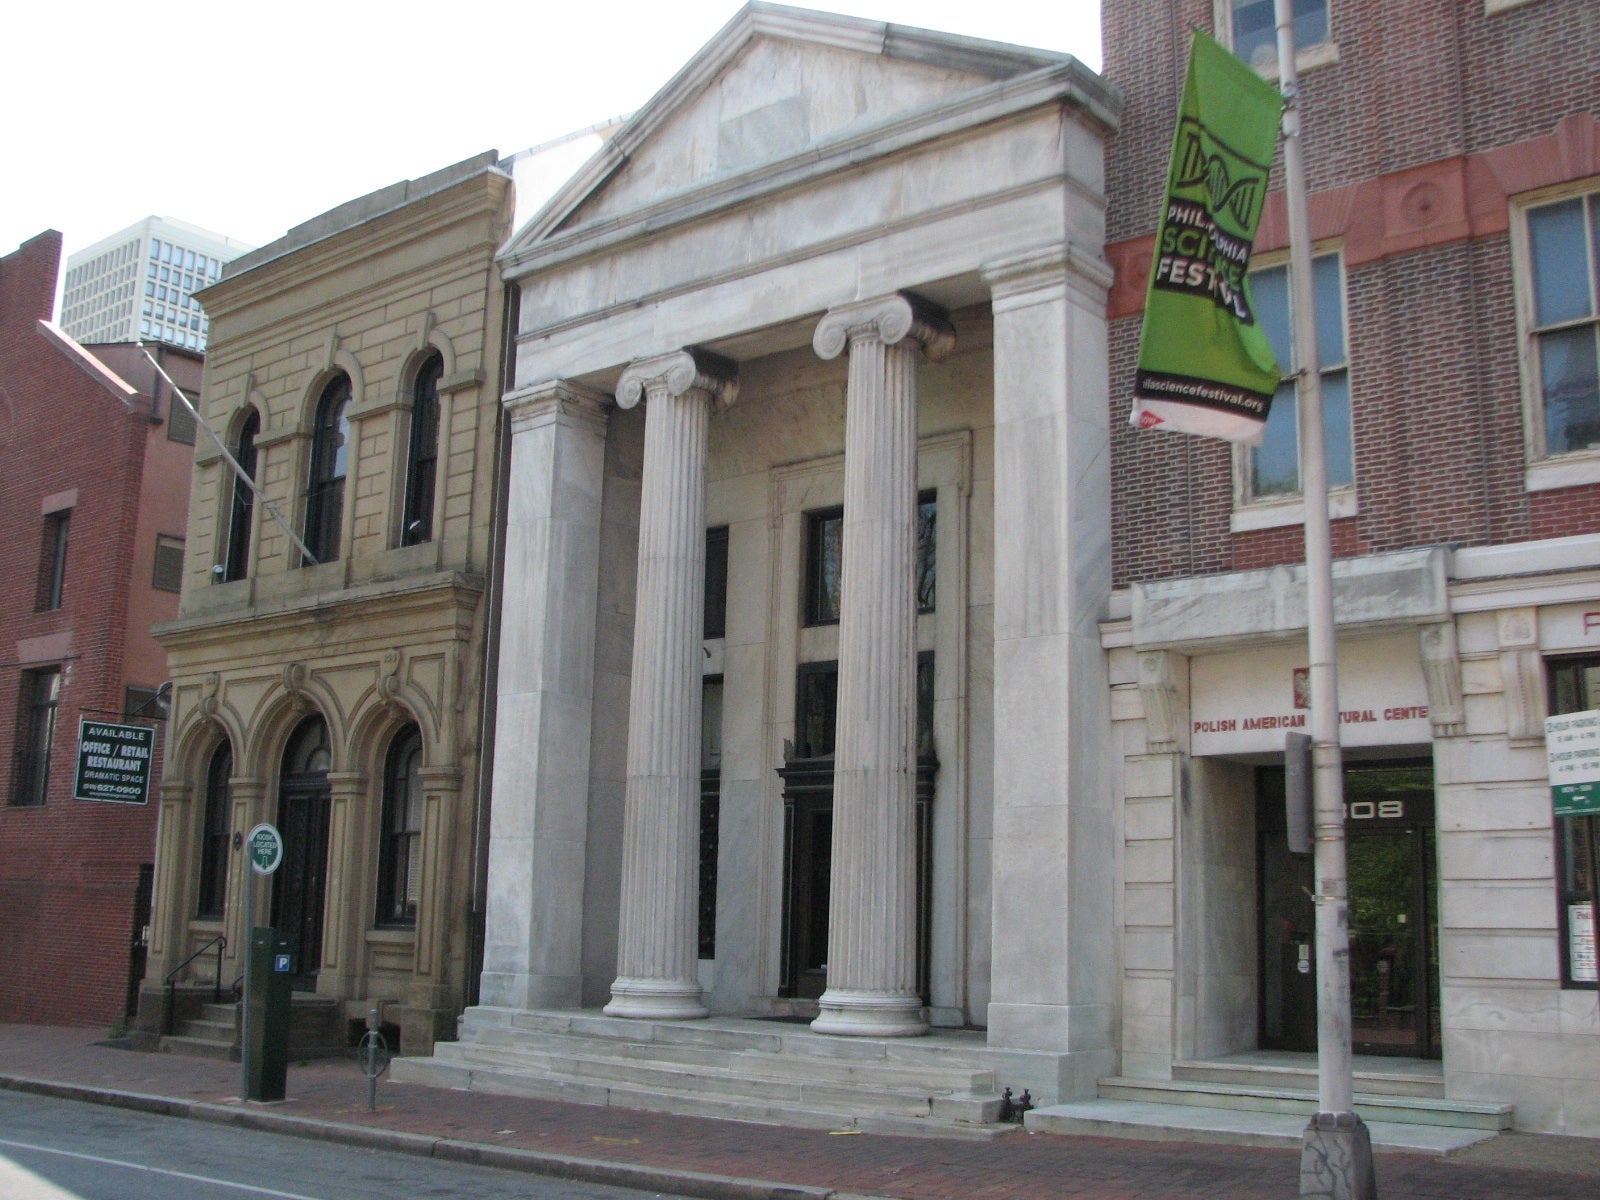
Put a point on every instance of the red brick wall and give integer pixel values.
(68, 870)
(1432, 116)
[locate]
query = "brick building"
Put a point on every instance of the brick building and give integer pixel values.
(1453, 153)
(95, 456)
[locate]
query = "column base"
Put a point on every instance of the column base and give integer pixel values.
(849, 1012)
(656, 1000)
(1336, 1159)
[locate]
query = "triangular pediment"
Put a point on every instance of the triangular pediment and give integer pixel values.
(775, 83)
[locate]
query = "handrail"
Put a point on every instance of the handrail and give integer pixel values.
(221, 943)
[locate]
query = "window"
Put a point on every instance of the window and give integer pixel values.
(330, 436)
(236, 564)
(167, 574)
(416, 519)
(214, 837)
(1255, 32)
(825, 557)
(1575, 687)
(710, 809)
(1274, 470)
(817, 708)
(52, 561)
(1564, 270)
(400, 861)
(181, 424)
(147, 703)
(36, 734)
(717, 582)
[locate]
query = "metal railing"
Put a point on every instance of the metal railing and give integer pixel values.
(221, 943)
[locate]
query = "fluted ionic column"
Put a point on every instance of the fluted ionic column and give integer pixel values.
(872, 898)
(657, 937)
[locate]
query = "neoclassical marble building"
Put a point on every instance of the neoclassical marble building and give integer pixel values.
(802, 708)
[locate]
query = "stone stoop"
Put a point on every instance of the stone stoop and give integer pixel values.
(213, 1034)
(315, 1031)
(733, 1068)
(1249, 1100)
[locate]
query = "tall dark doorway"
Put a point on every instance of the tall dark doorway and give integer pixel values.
(1394, 923)
(808, 829)
(299, 885)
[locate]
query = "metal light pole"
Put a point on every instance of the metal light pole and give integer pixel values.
(1336, 1154)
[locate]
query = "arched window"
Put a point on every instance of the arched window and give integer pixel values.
(416, 518)
(237, 563)
(214, 836)
(400, 858)
(330, 438)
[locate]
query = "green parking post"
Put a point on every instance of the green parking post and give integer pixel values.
(264, 1040)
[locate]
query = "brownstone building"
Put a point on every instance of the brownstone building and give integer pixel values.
(95, 456)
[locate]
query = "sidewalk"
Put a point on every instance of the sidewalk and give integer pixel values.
(738, 1161)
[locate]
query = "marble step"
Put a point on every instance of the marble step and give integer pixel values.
(1148, 1121)
(804, 1106)
(1408, 1110)
(618, 1059)
(1399, 1077)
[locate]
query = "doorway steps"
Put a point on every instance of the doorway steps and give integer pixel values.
(1265, 1099)
(315, 1031)
(214, 1034)
(735, 1068)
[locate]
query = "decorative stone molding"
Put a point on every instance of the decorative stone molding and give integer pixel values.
(295, 679)
(1015, 279)
(389, 681)
(1165, 703)
(208, 694)
(888, 319)
(1522, 675)
(1441, 670)
(676, 373)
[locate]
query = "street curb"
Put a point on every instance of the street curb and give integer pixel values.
(533, 1162)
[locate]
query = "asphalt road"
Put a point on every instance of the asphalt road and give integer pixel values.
(65, 1150)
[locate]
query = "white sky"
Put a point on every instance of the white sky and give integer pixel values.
(248, 118)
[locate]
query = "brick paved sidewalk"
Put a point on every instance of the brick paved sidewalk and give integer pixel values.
(716, 1158)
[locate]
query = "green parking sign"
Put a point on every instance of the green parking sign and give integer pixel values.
(1572, 744)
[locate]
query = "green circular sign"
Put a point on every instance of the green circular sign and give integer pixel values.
(264, 844)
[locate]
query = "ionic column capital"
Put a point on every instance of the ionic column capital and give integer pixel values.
(679, 372)
(889, 319)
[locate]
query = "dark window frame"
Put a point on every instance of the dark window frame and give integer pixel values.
(53, 543)
(241, 514)
(330, 445)
(716, 616)
(422, 454)
(215, 836)
(824, 553)
(166, 567)
(400, 854)
(38, 708)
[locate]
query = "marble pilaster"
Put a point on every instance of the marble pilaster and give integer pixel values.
(657, 934)
(539, 821)
(1055, 851)
(872, 907)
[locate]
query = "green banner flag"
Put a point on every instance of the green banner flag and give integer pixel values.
(1205, 365)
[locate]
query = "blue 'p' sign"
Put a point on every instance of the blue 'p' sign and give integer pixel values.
(281, 963)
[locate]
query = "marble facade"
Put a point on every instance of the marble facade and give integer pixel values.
(888, 243)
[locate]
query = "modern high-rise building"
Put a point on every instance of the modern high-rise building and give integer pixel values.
(139, 283)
